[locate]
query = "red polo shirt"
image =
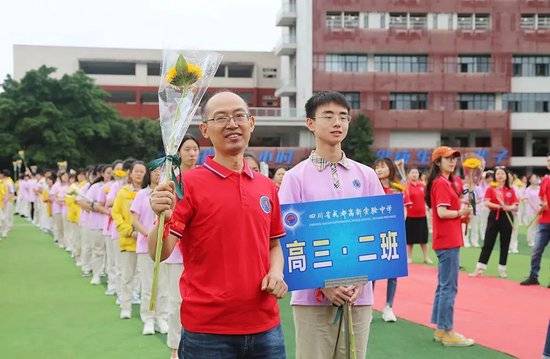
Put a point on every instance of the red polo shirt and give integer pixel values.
(544, 194)
(225, 222)
(447, 233)
(416, 196)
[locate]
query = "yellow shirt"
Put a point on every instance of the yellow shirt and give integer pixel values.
(45, 197)
(123, 217)
(73, 209)
(3, 193)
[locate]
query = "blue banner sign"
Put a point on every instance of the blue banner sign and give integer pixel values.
(338, 240)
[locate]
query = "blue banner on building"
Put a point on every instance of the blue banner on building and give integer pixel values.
(340, 239)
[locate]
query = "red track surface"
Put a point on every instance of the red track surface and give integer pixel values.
(496, 313)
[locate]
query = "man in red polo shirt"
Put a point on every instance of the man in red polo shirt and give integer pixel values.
(227, 227)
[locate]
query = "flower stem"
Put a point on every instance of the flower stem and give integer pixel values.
(158, 252)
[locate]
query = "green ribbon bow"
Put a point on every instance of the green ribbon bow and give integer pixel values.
(174, 161)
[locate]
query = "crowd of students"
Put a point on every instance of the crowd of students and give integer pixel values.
(226, 229)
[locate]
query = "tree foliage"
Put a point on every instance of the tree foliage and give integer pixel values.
(68, 119)
(359, 140)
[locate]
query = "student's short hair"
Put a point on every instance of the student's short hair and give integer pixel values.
(323, 98)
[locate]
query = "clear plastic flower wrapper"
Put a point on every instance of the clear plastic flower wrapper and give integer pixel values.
(473, 169)
(184, 80)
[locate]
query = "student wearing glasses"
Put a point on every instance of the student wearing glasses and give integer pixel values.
(334, 176)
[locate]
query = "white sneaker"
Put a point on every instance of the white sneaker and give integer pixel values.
(86, 273)
(467, 245)
(110, 291)
(117, 301)
(136, 299)
(502, 272)
(126, 314)
(95, 280)
(161, 326)
(388, 314)
(148, 328)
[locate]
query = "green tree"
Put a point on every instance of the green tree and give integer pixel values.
(68, 119)
(359, 140)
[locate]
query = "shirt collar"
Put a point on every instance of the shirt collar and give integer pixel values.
(320, 163)
(225, 172)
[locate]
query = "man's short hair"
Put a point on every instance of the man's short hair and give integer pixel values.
(323, 98)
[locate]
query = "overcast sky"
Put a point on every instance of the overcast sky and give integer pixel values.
(186, 24)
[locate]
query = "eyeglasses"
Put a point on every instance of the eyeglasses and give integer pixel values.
(223, 119)
(333, 118)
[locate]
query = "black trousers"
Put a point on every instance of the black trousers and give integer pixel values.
(495, 227)
(32, 210)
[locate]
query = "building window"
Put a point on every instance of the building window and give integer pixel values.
(365, 17)
(220, 72)
(530, 66)
(149, 97)
(334, 20)
(455, 139)
(240, 70)
(153, 69)
(269, 101)
(418, 21)
(338, 20)
(528, 22)
(472, 64)
(481, 22)
(476, 101)
(408, 101)
(541, 146)
(527, 102)
(535, 21)
(465, 21)
(473, 21)
(408, 21)
(269, 73)
(398, 20)
(518, 146)
(107, 67)
(353, 99)
(483, 141)
(351, 20)
(346, 63)
(401, 63)
(128, 97)
(543, 21)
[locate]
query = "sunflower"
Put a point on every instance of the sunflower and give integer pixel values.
(471, 163)
(171, 74)
(194, 71)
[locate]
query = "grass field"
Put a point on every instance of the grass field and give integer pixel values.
(48, 310)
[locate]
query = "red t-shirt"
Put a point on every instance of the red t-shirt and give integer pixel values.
(415, 192)
(498, 195)
(225, 222)
(544, 194)
(459, 185)
(447, 233)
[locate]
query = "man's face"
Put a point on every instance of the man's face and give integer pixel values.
(330, 124)
(227, 124)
